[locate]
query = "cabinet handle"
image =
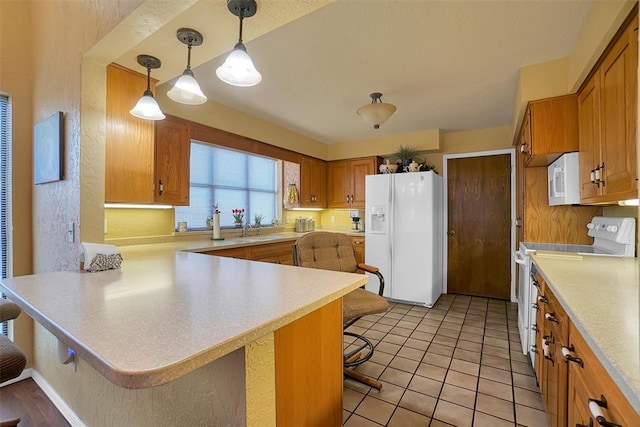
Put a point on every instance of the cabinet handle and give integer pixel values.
(161, 186)
(533, 349)
(347, 199)
(592, 176)
(534, 282)
(551, 317)
(596, 412)
(600, 175)
(566, 353)
(542, 299)
(535, 306)
(534, 327)
(351, 198)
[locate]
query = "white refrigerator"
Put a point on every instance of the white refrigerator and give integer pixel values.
(405, 234)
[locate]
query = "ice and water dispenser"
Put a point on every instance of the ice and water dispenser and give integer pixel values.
(377, 221)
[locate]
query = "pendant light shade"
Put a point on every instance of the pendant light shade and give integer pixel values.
(238, 68)
(377, 112)
(187, 90)
(147, 108)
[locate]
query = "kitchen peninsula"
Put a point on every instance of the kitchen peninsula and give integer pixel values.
(169, 314)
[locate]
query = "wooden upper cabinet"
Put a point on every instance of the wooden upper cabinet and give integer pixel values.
(129, 146)
(313, 183)
(608, 115)
(172, 152)
(549, 129)
(346, 181)
(589, 136)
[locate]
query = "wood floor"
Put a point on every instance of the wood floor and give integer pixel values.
(24, 399)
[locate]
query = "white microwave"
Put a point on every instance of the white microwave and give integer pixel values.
(564, 180)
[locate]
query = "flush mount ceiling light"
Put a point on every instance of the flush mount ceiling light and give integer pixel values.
(186, 90)
(377, 112)
(238, 69)
(147, 108)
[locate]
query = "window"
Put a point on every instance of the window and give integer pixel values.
(232, 180)
(5, 192)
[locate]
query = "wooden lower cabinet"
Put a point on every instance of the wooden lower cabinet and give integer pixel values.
(277, 253)
(568, 384)
(591, 381)
(358, 248)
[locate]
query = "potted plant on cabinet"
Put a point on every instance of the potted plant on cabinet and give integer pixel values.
(405, 155)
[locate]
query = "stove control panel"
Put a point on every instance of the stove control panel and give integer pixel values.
(615, 229)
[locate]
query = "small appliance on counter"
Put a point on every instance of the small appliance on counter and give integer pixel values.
(564, 180)
(304, 225)
(357, 221)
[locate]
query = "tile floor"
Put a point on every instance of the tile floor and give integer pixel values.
(459, 363)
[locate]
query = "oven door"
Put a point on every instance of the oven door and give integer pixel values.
(524, 303)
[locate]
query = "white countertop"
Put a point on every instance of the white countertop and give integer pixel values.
(601, 295)
(168, 311)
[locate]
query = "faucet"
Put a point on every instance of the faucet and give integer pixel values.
(245, 228)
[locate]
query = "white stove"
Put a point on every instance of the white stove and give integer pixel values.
(612, 236)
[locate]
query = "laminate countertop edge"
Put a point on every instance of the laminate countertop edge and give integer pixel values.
(109, 296)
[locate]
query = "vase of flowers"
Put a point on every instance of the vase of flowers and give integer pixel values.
(238, 216)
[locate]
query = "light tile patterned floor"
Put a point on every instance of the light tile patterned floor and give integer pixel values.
(459, 363)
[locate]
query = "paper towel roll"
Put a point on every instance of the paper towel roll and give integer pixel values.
(216, 225)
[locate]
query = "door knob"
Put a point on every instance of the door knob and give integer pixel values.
(451, 232)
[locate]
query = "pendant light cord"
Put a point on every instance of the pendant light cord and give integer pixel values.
(148, 91)
(190, 41)
(241, 15)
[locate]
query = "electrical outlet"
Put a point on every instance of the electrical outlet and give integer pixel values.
(70, 236)
(105, 227)
(286, 219)
(333, 219)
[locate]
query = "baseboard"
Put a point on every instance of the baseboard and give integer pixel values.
(23, 376)
(55, 398)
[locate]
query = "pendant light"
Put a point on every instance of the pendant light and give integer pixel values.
(377, 112)
(238, 69)
(186, 90)
(147, 108)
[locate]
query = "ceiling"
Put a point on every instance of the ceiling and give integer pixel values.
(449, 65)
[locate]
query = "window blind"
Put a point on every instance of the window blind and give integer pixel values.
(232, 180)
(5, 192)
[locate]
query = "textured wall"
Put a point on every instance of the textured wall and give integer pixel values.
(15, 81)
(213, 395)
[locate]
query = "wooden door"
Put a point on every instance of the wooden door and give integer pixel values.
(338, 184)
(589, 136)
(173, 147)
(479, 218)
(618, 98)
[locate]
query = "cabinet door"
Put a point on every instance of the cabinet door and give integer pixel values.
(359, 170)
(339, 184)
(554, 129)
(358, 249)
(589, 136)
(313, 183)
(618, 98)
(172, 162)
(578, 413)
(129, 145)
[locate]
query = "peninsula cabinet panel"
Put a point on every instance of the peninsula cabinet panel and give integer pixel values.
(172, 161)
(129, 145)
(308, 365)
(346, 181)
(549, 129)
(277, 253)
(591, 381)
(609, 112)
(313, 183)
